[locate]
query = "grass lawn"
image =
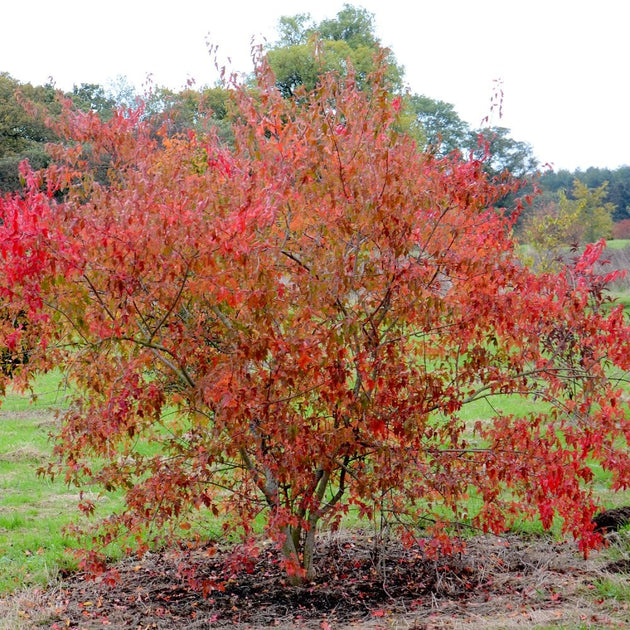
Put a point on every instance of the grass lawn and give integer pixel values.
(33, 509)
(618, 243)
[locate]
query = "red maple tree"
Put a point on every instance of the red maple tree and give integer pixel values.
(295, 323)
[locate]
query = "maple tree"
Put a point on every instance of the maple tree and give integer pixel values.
(293, 324)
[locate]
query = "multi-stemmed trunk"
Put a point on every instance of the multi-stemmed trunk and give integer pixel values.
(299, 551)
(298, 547)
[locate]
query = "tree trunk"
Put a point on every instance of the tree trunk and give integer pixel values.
(300, 554)
(309, 550)
(290, 551)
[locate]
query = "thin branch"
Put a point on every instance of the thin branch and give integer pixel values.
(173, 305)
(64, 314)
(98, 297)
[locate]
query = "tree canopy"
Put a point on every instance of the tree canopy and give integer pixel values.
(303, 52)
(306, 50)
(22, 135)
(294, 323)
(444, 130)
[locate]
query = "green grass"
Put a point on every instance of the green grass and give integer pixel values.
(617, 588)
(34, 510)
(623, 299)
(505, 404)
(618, 243)
(485, 408)
(48, 393)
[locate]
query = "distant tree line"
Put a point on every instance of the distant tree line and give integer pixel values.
(304, 51)
(617, 190)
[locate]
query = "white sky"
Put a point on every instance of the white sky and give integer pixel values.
(565, 64)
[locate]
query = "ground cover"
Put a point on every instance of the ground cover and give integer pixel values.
(501, 582)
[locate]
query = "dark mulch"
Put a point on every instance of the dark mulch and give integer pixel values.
(355, 583)
(359, 584)
(612, 520)
(619, 566)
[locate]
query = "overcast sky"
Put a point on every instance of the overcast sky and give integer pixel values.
(564, 63)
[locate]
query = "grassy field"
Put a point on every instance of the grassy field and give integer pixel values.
(618, 243)
(34, 509)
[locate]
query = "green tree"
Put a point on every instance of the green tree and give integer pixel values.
(444, 130)
(617, 191)
(23, 135)
(353, 25)
(92, 97)
(561, 221)
(500, 152)
(548, 230)
(293, 29)
(555, 181)
(306, 50)
(191, 109)
(595, 214)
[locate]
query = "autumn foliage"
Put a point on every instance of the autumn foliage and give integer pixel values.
(295, 324)
(621, 229)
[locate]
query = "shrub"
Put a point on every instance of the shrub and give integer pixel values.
(293, 325)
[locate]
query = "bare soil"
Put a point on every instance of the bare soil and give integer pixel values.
(498, 583)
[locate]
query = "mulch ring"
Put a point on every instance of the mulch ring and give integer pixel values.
(513, 581)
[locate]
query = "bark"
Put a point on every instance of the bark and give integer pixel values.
(309, 551)
(291, 553)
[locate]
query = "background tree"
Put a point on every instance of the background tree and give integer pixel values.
(556, 181)
(194, 109)
(306, 50)
(123, 92)
(444, 130)
(559, 223)
(617, 189)
(619, 192)
(550, 229)
(595, 214)
(22, 135)
(501, 153)
(24, 108)
(93, 97)
(621, 229)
